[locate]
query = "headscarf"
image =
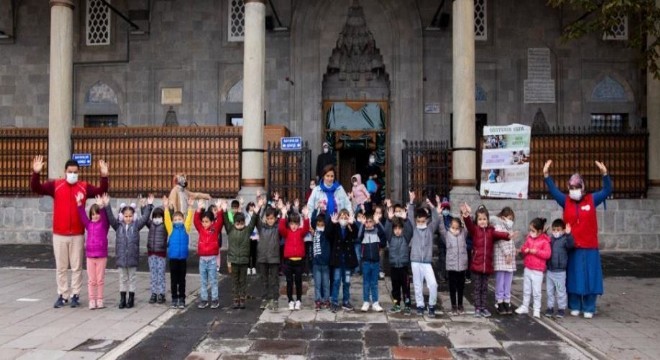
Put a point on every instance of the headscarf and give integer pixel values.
(577, 181)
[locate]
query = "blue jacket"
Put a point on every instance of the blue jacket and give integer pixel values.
(560, 246)
(372, 240)
(320, 248)
(177, 245)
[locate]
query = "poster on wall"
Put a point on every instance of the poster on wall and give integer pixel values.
(505, 161)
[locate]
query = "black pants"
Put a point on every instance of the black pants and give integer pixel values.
(178, 270)
(293, 270)
(252, 261)
(456, 286)
(309, 258)
(400, 280)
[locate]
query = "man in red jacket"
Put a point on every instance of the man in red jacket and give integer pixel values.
(68, 231)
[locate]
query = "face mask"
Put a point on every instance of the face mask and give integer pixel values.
(508, 223)
(312, 187)
(421, 227)
(575, 194)
(372, 160)
(178, 223)
(325, 150)
(557, 234)
(182, 181)
(401, 215)
(445, 212)
(321, 229)
(157, 221)
(343, 223)
(71, 178)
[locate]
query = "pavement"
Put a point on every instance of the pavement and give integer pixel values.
(625, 327)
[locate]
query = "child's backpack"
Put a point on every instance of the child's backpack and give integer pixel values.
(372, 187)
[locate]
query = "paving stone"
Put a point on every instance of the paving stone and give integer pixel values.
(224, 346)
(265, 331)
(300, 333)
(275, 317)
(376, 338)
(340, 326)
(358, 316)
(412, 352)
(340, 335)
(471, 336)
(224, 330)
(325, 315)
(280, 347)
(521, 328)
(424, 338)
(203, 356)
(405, 325)
(379, 326)
(241, 357)
(480, 353)
(335, 348)
(81, 355)
(379, 353)
(542, 350)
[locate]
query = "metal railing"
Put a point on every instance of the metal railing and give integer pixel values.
(289, 172)
(426, 168)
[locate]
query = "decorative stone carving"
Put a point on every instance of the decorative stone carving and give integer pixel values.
(101, 93)
(609, 90)
(235, 94)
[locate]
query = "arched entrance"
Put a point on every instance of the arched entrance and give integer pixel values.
(356, 92)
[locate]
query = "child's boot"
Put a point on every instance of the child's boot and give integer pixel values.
(99, 304)
(122, 299)
(501, 310)
(161, 299)
(507, 308)
(153, 298)
(131, 300)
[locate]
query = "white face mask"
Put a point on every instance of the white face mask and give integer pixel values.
(343, 223)
(508, 223)
(178, 223)
(312, 187)
(575, 194)
(557, 234)
(157, 221)
(421, 227)
(71, 178)
(319, 228)
(445, 212)
(372, 160)
(325, 150)
(454, 232)
(401, 214)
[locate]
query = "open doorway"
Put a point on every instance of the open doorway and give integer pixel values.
(351, 162)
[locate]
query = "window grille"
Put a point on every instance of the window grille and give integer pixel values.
(236, 20)
(480, 20)
(619, 30)
(609, 122)
(98, 23)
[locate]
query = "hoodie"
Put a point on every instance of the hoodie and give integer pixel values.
(359, 191)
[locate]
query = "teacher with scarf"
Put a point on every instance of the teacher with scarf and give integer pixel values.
(329, 195)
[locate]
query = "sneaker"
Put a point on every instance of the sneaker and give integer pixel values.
(92, 305)
(549, 312)
(420, 310)
(365, 306)
(575, 312)
(217, 268)
(161, 299)
(60, 302)
(325, 305)
(395, 309)
(75, 301)
(182, 303)
(249, 271)
(537, 314)
(508, 308)
(560, 314)
(454, 310)
(377, 308)
(347, 306)
(264, 304)
(241, 303)
(431, 311)
(588, 315)
(407, 310)
(175, 303)
(334, 308)
(317, 305)
(292, 305)
(99, 304)
(477, 312)
(297, 305)
(522, 309)
(468, 281)
(215, 304)
(500, 309)
(153, 298)
(203, 304)
(381, 275)
(485, 313)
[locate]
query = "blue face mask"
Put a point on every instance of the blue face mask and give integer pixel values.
(178, 224)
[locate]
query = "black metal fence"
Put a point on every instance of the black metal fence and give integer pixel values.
(17, 149)
(289, 171)
(426, 168)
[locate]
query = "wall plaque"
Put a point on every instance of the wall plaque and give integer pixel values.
(171, 96)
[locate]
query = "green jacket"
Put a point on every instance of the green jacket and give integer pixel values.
(239, 241)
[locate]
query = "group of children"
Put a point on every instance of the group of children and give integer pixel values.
(257, 239)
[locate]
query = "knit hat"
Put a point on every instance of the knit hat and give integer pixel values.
(576, 181)
(445, 203)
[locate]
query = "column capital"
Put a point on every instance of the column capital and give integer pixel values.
(66, 3)
(254, 1)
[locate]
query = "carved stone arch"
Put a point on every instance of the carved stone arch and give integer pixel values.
(229, 83)
(100, 93)
(100, 97)
(610, 87)
(235, 94)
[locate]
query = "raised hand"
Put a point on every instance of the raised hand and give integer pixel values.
(305, 212)
(103, 167)
(283, 211)
(241, 201)
(601, 167)
(261, 201)
(438, 201)
(568, 228)
(351, 219)
(258, 194)
(106, 199)
(150, 199)
(166, 202)
(191, 202)
(279, 204)
(377, 217)
(390, 213)
(411, 196)
(79, 198)
(276, 196)
(546, 168)
(222, 205)
(38, 164)
(141, 201)
(334, 218)
(468, 208)
(430, 203)
(201, 204)
(388, 202)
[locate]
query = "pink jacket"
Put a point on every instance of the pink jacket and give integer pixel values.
(542, 246)
(360, 193)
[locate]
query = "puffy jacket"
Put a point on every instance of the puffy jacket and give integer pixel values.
(127, 239)
(208, 238)
(156, 237)
(268, 248)
(399, 246)
(457, 253)
(239, 241)
(372, 240)
(96, 244)
(294, 241)
(65, 214)
(559, 252)
(178, 241)
(359, 191)
(421, 244)
(482, 246)
(342, 248)
(542, 246)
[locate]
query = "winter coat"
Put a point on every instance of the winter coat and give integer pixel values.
(399, 246)
(482, 246)
(208, 238)
(457, 253)
(320, 248)
(268, 249)
(538, 260)
(359, 191)
(294, 241)
(239, 241)
(372, 240)
(342, 248)
(341, 199)
(127, 239)
(559, 252)
(96, 244)
(421, 244)
(156, 237)
(178, 241)
(504, 255)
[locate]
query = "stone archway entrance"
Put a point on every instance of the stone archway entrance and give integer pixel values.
(356, 95)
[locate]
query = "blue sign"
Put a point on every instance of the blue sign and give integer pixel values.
(83, 160)
(291, 143)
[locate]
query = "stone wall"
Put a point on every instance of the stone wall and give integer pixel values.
(626, 225)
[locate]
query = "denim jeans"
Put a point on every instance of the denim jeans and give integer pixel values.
(370, 280)
(321, 282)
(358, 255)
(342, 276)
(209, 277)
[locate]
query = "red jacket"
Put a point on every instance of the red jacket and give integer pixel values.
(294, 241)
(483, 240)
(542, 246)
(208, 244)
(66, 220)
(584, 223)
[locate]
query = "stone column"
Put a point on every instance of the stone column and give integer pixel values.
(463, 80)
(254, 68)
(60, 99)
(653, 124)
